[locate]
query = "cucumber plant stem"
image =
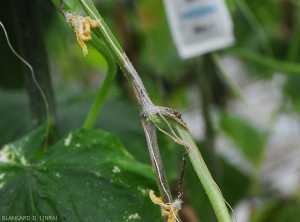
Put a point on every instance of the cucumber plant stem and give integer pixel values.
(149, 111)
(109, 78)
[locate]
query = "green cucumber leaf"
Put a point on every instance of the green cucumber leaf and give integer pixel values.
(86, 176)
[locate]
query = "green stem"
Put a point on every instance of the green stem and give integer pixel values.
(107, 36)
(109, 78)
(214, 194)
(286, 67)
(254, 23)
(103, 31)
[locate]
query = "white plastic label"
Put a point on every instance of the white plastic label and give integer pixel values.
(199, 26)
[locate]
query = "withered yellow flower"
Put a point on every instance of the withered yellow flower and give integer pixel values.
(82, 28)
(169, 210)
